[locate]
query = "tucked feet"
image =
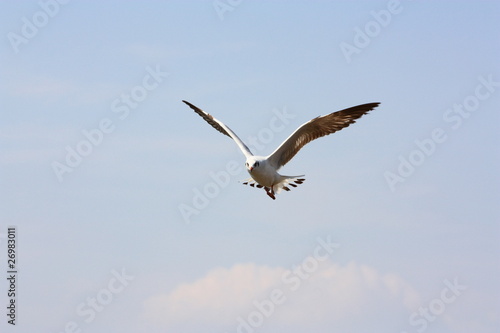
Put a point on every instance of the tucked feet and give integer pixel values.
(270, 193)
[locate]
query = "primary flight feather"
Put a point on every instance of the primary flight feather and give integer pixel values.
(264, 169)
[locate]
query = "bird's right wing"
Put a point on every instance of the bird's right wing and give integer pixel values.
(316, 128)
(218, 125)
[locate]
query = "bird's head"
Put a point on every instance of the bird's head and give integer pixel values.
(252, 163)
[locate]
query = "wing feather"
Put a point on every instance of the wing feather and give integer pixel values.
(221, 127)
(316, 128)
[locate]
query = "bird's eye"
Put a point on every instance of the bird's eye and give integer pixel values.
(246, 164)
(256, 164)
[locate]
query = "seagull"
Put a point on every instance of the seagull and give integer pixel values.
(263, 170)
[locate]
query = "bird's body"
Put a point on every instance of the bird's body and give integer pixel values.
(264, 173)
(267, 176)
(264, 169)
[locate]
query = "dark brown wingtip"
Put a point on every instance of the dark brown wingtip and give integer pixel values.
(192, 106)
(372, 106)
(208, 118)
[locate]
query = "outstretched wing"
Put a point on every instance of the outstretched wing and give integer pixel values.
(316, 128)
(218, 125)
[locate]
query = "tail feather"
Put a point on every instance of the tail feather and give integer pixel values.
(286, 183)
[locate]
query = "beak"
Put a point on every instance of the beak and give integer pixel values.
(251, 168)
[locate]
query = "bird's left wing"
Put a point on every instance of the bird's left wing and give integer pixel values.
(316, 128)
(218, 125)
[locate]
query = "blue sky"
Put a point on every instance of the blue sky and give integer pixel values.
(395, 229)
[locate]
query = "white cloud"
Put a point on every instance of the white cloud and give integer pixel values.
(218, 298)
(330, 294)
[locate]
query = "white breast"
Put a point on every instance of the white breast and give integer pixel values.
(265, 175)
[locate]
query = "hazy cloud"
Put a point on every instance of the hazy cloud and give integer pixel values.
(331, 293)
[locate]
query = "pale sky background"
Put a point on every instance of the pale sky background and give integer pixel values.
(118, 211)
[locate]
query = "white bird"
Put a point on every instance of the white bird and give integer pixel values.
(264, 169)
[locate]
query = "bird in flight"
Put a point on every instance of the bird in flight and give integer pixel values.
(264, 169)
